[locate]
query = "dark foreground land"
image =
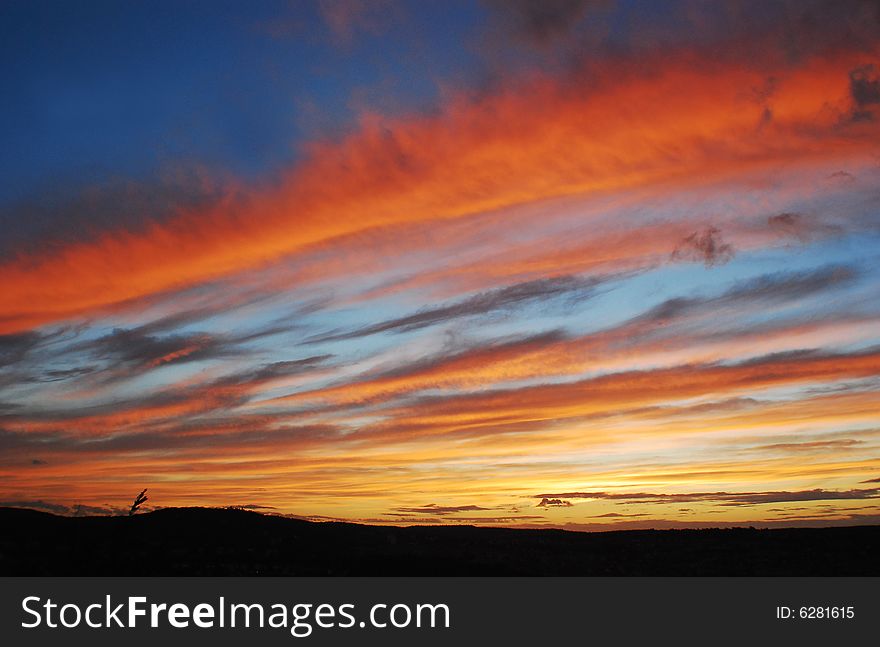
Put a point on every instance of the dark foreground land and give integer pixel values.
(204, 541)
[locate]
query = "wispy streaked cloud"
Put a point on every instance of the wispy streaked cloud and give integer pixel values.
(722, 498)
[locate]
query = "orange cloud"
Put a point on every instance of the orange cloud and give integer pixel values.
(624, 126)
(536, 405)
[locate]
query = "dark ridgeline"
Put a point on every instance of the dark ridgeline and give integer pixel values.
(206, 541)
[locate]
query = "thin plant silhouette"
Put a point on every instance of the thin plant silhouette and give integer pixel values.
(138, 500)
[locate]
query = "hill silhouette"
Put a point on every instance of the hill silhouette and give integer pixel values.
(210, 541)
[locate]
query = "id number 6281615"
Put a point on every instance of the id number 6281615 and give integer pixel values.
(815, 613)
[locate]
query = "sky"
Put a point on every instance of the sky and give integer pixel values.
(582, 264)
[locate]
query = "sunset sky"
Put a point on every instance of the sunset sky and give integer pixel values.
(573, 263)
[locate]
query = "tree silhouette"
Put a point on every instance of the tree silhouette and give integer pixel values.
(138, 500)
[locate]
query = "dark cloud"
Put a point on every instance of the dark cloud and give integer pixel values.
(784, 31)
(801, 227)
(433, 508)
(274, 370)
(876, 480)
(842, 177)
(140, 349)
(776, 287)
(76, 510)
(771, 359)
(126, 352)
(539, 22)
(130, 352)
(185, 406)
(791, 285)
(704, 246)
(14, 347)
(256, 431)
(864, 83)
(12, 440)
(37, 461)
(768, 289)
(225, 298)
(65, 215)
(58, 375)
(135, 350)
(574, 39)
(855, 386)
(554, 503)
(171, 322)
(158, 400)
(807, 495)
(621, 515)
(784, 220)
(55, 216)
(722, 498)
(38, 504)
(480, 304)
(819, 445)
